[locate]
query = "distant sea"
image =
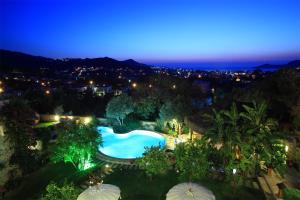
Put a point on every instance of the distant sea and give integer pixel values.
(228, 66)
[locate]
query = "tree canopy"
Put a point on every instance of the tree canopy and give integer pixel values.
(119, 107)
(243, 142)
(64, 192)
(155, 161)
(175, 111)
(77, 144)
(18, 119)
(191, 160)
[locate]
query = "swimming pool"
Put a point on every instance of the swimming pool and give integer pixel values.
(129, 145)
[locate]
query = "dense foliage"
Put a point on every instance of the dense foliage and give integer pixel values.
(64, 192)
(191, 160)
(174, 112)
(155, 161)
(245, 142)
(18, 119)
(77, 144)
(119, 107)
(291, 194)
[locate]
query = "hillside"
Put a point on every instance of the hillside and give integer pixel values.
(16, 61)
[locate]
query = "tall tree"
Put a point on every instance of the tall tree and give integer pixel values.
(175, 111)
(242, 141)
(145, 107)
(76, 144)
(18, 119)
(119, 107)
(262, 134)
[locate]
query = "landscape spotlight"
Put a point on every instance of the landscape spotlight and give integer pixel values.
(286, 148)
(56, 118)
(87, 120)
(234, 171)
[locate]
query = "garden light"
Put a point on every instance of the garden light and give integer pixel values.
(87, 120)
(56, 118)
(234, 171)
(286, 148)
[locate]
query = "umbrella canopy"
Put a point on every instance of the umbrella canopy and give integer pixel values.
(189, 191)
(101, 192)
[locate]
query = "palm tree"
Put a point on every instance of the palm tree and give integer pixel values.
(260, 133)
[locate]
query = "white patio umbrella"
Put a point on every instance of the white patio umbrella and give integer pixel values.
(189, 191)
(100, 192)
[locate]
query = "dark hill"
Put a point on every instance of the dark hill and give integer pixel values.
(16, 61)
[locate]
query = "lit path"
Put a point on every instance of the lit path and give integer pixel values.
(268, 184)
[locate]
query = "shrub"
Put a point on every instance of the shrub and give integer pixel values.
(297, 157)
(159, 126)
(66, 191)
(185, 130)
(121, 129)
(291, 194)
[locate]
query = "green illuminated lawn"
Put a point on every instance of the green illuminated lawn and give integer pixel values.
(134, 184)
(45, 124)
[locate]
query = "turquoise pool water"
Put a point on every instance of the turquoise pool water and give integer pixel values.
(129, 145)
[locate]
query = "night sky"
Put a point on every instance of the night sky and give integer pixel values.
(186, 32)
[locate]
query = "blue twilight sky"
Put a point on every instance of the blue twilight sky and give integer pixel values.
(188, 32)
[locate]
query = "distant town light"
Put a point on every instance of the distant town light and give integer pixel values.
(47, 92)
(199, 76)
(91, 82)
(174, 86)
(134, 85)
(150, 86)
(237, 79)
(1, 90)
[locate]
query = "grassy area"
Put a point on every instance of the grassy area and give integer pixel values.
(34, 185)
(134, 184)
(45, 124)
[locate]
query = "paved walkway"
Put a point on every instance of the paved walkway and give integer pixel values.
(268, 183)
